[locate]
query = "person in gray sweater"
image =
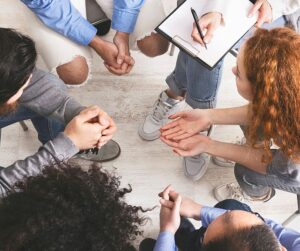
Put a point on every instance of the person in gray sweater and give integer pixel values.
(29, 93)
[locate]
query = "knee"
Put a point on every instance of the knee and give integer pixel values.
(238, 171)
(74, 72)
(153, 45)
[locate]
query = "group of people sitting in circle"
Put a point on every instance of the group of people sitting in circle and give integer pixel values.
(48, 204)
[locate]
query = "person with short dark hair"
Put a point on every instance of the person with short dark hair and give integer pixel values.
(65, 208)
(229, 226)
(29, 93)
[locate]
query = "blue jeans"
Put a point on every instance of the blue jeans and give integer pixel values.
(198, 84)
(191, 239)
(46, 128)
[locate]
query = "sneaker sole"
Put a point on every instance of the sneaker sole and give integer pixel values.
(222, 163)
(102, 160)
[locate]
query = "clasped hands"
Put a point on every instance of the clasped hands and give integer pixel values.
(116, 55)
(91, 128)
(173, 205)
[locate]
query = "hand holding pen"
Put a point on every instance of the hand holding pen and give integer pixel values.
(208, 23)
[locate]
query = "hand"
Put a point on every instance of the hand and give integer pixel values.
(109, 128)
(188, 207)
(82, 131)
(170, 217)
(189, 147)
(264, 9)
(109, 52)
(121, 40)
(186, 124)
(208, 24)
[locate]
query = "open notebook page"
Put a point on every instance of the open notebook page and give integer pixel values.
(179, 27)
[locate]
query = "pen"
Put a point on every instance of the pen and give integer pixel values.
(195, 16)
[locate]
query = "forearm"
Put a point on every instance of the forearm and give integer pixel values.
(53, 152)
(165, 242)
(229, 116)
(244, 155)
(64, 18)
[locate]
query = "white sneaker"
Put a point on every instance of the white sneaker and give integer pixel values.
(225, 162)
(163, 108)
(234, 191)
(196, 166)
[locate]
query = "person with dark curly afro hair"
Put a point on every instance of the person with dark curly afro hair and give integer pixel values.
(66, 208)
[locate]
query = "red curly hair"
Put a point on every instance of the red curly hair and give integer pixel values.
(272, 63)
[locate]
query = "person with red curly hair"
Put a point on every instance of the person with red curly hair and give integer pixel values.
(268, 76)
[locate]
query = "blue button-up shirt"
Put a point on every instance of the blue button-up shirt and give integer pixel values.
(63, 17)
(288, 238)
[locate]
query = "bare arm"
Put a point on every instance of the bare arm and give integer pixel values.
(244, 155)
(188, 123)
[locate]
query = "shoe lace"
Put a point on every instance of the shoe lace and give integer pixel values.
(91, 150)
(236, 192)
(160, 110)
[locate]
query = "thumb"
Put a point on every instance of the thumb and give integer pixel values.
(166, 203)
(255, 8)
(177, 204)
(209, 33)
(104, 121)
(88, 114)
(121, 54)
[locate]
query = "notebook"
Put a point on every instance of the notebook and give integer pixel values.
(177, 28)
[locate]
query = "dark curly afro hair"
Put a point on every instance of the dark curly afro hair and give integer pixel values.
(67, 208)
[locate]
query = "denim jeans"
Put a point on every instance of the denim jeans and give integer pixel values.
(192, 241)
(46, 128)
(282, 173)
(198, 84)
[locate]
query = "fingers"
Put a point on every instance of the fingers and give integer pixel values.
(118, 71)
(180, 137)
(177, 115)
(169, 125)
(129, 60)
(255, 7)
(170, 142)
(88, 114)
(121, 54)
(196, 36)
(260, 19)
(210, 33)
(166, 203)
(104, 121)
(165, 192)
(171, 131)
(176, 135)
(177, 204)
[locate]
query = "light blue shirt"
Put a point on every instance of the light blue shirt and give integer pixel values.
(288, 238)
(64, 18)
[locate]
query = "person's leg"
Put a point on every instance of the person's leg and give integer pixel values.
(70, 61)
(195, 82)
(47, 129)
(144, 38)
